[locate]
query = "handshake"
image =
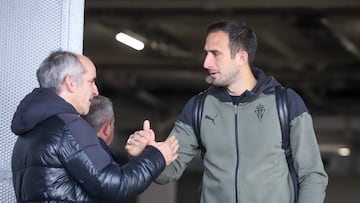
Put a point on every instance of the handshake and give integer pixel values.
(140, 139)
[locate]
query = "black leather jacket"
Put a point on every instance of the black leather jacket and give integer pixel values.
(57, 156)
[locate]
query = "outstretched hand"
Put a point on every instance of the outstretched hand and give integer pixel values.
(138, 140)
(150, 132)
(168, 148)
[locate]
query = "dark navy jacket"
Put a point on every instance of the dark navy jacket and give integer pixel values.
(113, 157)
(57, 156)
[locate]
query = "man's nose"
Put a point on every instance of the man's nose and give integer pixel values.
(207, 62)
(95, 90)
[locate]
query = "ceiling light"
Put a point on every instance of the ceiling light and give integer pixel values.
(130, 41)
(344, 151)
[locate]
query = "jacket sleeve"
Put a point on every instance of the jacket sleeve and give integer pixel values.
(87, 162)
(312, 177)
(188, 146)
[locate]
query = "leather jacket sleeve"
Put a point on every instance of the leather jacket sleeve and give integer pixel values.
(101, 178)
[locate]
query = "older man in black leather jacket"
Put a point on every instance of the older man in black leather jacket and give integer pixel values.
(57, 156)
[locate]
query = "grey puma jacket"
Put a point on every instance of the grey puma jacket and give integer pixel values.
(244, 161)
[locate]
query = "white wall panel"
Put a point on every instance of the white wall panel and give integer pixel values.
(29, 31)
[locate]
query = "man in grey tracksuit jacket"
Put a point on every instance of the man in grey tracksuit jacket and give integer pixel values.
(244, 160)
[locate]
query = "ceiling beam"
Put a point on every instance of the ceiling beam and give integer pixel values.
(224, 4)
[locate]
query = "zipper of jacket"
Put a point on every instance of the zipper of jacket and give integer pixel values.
(237, 153)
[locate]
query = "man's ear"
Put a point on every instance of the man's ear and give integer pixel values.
(105, 132)
(69, 83)
(242, 57)
(106, 128)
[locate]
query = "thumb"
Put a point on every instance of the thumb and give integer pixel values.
(146, 125)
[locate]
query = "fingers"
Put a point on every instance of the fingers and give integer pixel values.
(151, 137)
(146, 125)
(138, 138)
(173, 142)
(133, 150)
(173, 146)
(136, 143)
